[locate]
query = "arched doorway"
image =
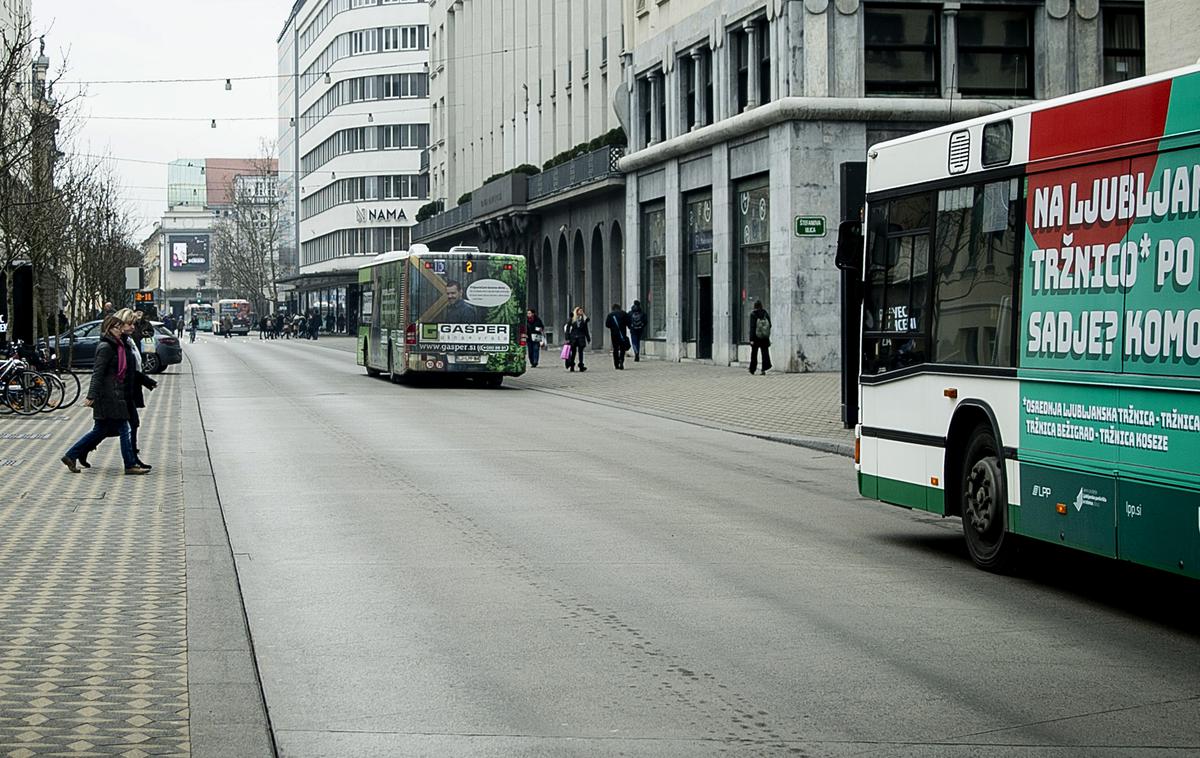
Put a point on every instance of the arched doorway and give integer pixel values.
(616, 266)
(599, 303)
(532, 272)
(562, 306)
(578, 275)
(546, 284)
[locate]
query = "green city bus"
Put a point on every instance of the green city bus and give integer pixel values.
(459, 312)
(1030, 324)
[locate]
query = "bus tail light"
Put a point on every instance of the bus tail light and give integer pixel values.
(410, 334)
(522, 335)
(858, 450)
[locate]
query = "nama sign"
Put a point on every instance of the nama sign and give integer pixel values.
(373, 215)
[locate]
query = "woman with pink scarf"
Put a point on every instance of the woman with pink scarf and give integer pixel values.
(106, 397)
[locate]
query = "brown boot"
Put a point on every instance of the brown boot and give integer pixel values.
(133, 470)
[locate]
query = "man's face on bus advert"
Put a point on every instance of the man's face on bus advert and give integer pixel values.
(453, 293)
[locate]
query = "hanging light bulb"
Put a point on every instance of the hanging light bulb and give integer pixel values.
(292, 121)
(228, 84)
(327, 79)
(370, 118)
(213, 125)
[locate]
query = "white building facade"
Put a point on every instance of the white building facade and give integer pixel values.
(15, 16)
(353, 122)
(750, 122)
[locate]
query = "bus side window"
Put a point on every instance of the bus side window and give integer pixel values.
(978, 233)
(897, 290)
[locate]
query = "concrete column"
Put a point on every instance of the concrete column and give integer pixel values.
(950, 49)
(698, 84)
(674, 247)
(633, 239)
(753, 93)
(656, 94)
(724, 352)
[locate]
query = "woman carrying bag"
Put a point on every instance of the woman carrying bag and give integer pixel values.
(106, 397)
(578, 337)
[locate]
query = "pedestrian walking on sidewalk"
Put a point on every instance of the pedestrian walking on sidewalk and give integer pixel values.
(226, 325)
(617, 322)
(106, 398)
(134, 398)
(578, 337)
(637, 322)
(536, 332)
(760, 338)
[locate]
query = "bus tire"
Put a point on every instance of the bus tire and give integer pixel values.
(494, 381)
(984, 502)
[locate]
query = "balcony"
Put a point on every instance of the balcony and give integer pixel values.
(587, 168)
(514, 193)
(442, 221)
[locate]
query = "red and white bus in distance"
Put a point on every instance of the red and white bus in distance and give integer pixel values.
(1030, 324)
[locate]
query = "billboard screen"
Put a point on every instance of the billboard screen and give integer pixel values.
(189, 252)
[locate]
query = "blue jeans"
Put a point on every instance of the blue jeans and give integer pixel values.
(106, 428)
(635, 339)
(535, 352)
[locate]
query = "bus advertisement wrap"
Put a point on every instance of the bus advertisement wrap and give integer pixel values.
(1110, 285)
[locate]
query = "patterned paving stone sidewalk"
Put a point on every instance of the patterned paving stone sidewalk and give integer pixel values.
(93, 638)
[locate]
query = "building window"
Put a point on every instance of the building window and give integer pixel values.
(654, 269)
(901, 51)
(697, 259)
(763, 29)
(687, 70)
(752, 252)
(1124, 44)
(645, 102)
(741, 52)
(995, 53)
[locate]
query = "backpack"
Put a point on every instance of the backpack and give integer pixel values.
(762, 328)
(637, 319)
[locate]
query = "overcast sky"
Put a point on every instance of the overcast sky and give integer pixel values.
(162, 39)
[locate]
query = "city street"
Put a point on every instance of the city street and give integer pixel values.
(458, 571)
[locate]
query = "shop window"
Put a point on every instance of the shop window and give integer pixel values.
(697, 256)
(901, 53)
(752, 252)
(654, 270)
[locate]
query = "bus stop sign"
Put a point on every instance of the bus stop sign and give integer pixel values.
(810, 226)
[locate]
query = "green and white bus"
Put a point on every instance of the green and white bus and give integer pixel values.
(1030, 324)
(456, 312)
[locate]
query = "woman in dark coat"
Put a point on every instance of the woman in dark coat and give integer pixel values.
(134, 398)
(578, 337)
(106, 398)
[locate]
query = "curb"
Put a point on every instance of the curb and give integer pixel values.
(228, 714)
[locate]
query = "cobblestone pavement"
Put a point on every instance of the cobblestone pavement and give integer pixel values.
(93, 638)
(800, 408)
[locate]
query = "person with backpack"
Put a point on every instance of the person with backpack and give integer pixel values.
(760, 338)
(617, 322)
(637, 322)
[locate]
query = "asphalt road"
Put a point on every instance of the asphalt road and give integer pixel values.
(433, 571)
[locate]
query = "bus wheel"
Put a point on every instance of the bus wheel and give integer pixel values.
(985, 502)
(494, 381)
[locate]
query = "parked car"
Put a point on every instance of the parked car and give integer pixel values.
(167, 349)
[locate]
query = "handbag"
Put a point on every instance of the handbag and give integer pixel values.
(565, 354)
